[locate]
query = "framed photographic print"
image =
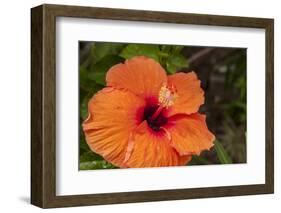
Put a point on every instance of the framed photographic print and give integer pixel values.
(136, 106)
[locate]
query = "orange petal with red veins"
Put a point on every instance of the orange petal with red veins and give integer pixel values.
(141, 75)
(190, 96)
(153, 149)
(190, 134)
(112, 117)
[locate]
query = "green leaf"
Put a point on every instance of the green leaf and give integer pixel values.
(84, 108)
(168, 56)
(99, 70)
(198, 160)
(89, 156)
(172, 49)
(98, 164)
(87, 85)
(149, 50)
(176, 62)
(83, 146)
(177, 49)
(222, 155)
(83, 103)
(100, 50)
(83, 74)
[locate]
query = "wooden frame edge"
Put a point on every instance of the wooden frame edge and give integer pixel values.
(269, 69)
(36, 106)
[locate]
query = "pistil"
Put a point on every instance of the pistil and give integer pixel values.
(156, 113)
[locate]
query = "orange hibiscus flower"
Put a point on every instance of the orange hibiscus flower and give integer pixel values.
(144, 118)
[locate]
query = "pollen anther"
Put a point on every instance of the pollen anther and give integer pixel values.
(167, 96)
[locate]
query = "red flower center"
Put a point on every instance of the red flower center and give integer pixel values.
(154, 115)
(154, 111)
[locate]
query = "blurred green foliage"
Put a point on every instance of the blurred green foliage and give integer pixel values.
(236, 77)
(96, 164)
(169, 56)
(235, 108)
(222, 155)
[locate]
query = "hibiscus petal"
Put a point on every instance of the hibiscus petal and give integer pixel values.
(141, 75)
(190, 96)
(189, 133)
(153, 149)
(112, 117)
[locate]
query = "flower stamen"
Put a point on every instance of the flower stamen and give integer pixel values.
(166, 98)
